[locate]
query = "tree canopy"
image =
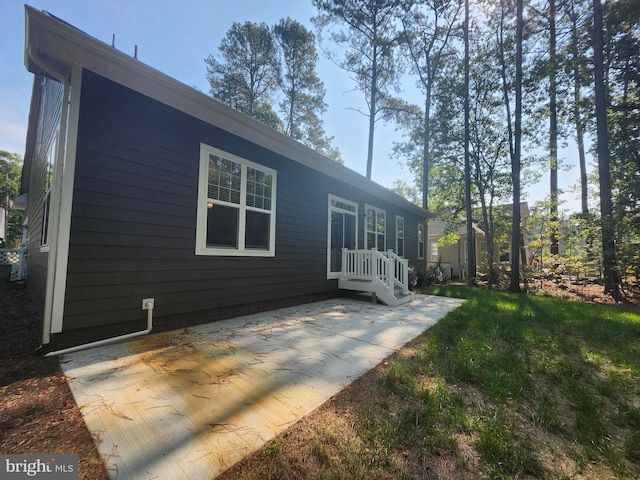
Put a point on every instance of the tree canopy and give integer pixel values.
(255, 62)
(10, 173)
(531, 89)
(370, 33)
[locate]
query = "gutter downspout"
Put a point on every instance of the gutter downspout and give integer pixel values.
(58, 176)
(147, 304)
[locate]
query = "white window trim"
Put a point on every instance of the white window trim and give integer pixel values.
(398, 217)
(368, 207)
(52, 155)
(330, 209)
(434, 244)
(201, 225)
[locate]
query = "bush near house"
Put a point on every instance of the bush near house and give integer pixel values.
(424, 276)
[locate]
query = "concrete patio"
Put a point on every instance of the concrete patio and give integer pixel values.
(189, 404)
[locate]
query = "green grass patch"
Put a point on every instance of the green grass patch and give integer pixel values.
(576, 366)
(504, 451)
(569, 370)
(505, 386)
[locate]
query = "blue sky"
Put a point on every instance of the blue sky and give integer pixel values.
(175, 37)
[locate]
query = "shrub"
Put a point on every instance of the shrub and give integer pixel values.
(425, 276)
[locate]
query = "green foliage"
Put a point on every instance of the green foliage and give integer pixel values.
(409, 192)
(431, 275)
(303, 101)
(368, 34)
(378, 434)
(622, 44)
(400, 381)
(579, 240)
(10, 175)
(248, 71)
(629, 261)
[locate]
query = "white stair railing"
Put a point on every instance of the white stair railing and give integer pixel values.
(385, 267)
(400, 271)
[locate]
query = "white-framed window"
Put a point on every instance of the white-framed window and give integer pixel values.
(343, 232)
(434, 251)
(421, 241)
(45, 233)
(466, 252)
(236, 206)
(376, 228)
(400, 236)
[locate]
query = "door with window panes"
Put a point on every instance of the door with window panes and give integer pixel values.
(342, 231)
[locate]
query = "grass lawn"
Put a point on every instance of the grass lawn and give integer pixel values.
(506, 386)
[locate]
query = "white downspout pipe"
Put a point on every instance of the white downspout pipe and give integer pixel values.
(147, 304)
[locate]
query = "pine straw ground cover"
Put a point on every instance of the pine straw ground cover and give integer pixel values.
(507, 386)
(37, 412)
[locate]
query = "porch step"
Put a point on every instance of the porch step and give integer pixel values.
(393, 299)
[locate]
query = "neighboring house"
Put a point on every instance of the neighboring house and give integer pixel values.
(453, 256)
(142, 187)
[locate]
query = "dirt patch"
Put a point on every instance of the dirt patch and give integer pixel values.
(38, 414)
(581, 291)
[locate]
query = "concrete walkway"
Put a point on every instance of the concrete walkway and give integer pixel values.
(189, 404)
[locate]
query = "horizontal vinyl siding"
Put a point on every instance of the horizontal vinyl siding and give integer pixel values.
(134, 221)
(134, 217)
(49, 115)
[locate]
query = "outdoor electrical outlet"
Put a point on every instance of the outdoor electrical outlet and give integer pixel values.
(148, 303)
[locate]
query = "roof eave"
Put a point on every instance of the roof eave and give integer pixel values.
(62, 45)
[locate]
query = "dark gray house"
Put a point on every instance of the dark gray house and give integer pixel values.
(140, 187)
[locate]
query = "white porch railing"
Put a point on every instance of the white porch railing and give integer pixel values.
(387, 268)
(17, 258)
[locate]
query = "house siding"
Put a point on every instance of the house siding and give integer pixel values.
(47, 100)
(133, 222)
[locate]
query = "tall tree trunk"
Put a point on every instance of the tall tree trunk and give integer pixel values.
(505, 91)
(553, 130)
(577, 118)
(425, 165)
(584, 186)
(372, 111)
(471, 251)
(292, 105)
(487, 221)
(426, 147)
(515, 164)
(611, 278)
(491, 255)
